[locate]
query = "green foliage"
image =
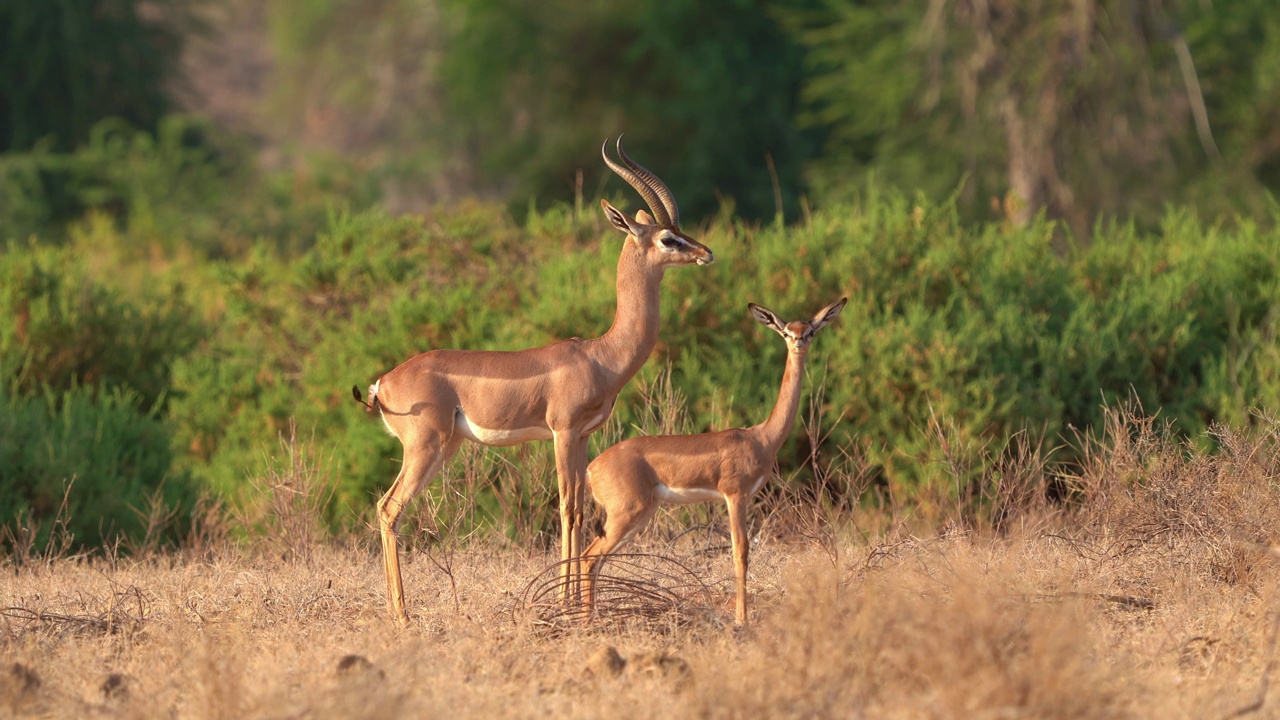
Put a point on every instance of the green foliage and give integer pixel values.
(1067, 107)
(982, 332)
(512, 98)
(156, 277)
(110, 457)
(184, 188)
(161, 186)
(296, 335)
(863, 82)
(66, 64)
(1237, 54)
(746, 105)
(984, 329)
(60, 327)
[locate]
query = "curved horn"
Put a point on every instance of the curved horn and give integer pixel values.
(659, 187)
(635, 177)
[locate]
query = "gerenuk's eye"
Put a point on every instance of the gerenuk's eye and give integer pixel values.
(669, 242)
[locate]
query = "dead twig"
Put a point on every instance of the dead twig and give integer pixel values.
(125, 612)
(1131, 602)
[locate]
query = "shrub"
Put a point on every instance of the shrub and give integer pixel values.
(110, 457)
(60, 327)
(984, 333)
(183, 188)
(161, 186)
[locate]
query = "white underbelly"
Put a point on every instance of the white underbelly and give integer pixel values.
(501, 436)
(759, 483)
(685, 496)
(596, 422)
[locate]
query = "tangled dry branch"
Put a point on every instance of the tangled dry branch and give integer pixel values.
(643, 588)
(125, 612)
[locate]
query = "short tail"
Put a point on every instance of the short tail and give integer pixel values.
(373, 405)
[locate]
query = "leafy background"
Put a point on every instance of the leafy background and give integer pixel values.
(219, 216)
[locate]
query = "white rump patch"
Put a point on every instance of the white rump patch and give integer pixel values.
(500, 437)
(373, 396)
(686, 496)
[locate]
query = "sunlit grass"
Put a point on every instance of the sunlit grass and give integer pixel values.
(1152, 593)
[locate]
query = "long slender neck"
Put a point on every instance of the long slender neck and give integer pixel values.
(631, 338)
(774, 431)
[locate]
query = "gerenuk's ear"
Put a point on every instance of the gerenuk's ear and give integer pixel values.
(644, 218)
(827, 314)
(617, 219)
(766, 317)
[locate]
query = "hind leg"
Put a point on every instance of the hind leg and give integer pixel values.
(623, 520)
(422, 462)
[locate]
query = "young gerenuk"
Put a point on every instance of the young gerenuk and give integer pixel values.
(633, 478)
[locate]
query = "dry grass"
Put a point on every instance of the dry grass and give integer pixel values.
(1153, 595)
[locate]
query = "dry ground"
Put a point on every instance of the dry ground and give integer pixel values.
(1155, 595)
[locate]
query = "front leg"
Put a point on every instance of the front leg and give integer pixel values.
(741, 548)
(571, 469)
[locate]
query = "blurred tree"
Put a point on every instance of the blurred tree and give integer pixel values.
(66, 64)
(511, 98)
(1236, 47)
(706, 93)
(1076, 107)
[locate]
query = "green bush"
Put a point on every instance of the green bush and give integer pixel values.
(111, 458)
(296, 335)
(183, 188)
(65, 66)
(61, 327)
(161, 186)
(982, 331)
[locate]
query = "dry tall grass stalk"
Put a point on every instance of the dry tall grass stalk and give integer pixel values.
(284, 508)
